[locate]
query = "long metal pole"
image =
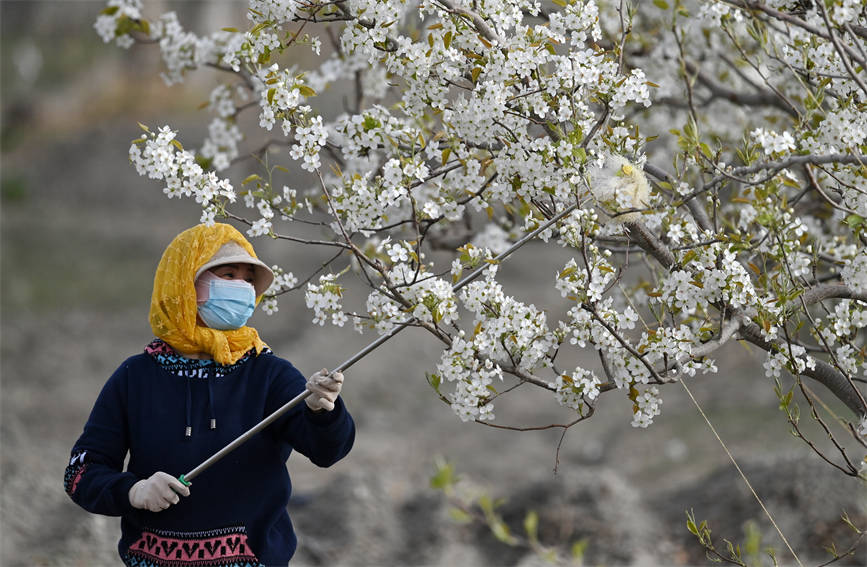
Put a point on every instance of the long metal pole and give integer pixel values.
(241, 439)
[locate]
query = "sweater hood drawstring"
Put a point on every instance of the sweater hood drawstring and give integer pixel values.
(211, 379)
(188, 431)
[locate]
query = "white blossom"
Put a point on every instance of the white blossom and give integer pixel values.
(325, 301)
(854, 272)
(456, 138)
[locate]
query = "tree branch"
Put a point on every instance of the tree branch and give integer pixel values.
(695, 208)
(480, 24)
(650, 243)
(824, 373)
(761, 98)
(833, 290)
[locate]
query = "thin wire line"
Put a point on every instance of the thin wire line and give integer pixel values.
(743, 476)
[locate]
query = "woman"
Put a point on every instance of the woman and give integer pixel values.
(203, 381)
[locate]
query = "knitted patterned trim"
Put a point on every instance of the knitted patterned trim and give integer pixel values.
(179, 365)
(74, 472)
(226, 547)
(144, 562)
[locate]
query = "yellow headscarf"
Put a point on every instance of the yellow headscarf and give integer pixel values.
(173, 303)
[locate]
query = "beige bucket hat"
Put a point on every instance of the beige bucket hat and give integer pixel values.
(233, 253)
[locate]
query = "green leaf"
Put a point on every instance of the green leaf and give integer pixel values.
(661, 4)
(579, 548)
(581, 154)
(567, 272)
(445, 155)
(306, 91)
(204, 163)
(786, 400)
(459, 516)
(444, 476)
(370, 123)
(753, 541)
(250, 178)
(178, 145)
(531, 525)
(501, 532)
(689, 257)
(690, 523)
(434, 380)
(854, 221)
(485, 502)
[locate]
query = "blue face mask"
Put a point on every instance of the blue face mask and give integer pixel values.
(230, 303)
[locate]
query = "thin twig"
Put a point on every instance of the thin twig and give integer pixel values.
(741, 473)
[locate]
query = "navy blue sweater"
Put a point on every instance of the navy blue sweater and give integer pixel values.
(236, 511)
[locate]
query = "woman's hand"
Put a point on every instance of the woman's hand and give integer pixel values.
(157, 492)
(325, 388)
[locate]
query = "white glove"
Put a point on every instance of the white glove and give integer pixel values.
(157, 493)
(325, 388)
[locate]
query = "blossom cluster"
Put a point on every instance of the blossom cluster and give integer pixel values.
(324, 299)
(585, 284)
(283, 282)
(854, 273)
(507, 331)
(432, 299)
(160, 156)
(794, 359)
(576, 390)
(473, 380)
(281, 94)
(646, 407)
(278, 11)
(109, 23)
(774, 143)
(310, 140)
(846, 321)
(221, 145)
